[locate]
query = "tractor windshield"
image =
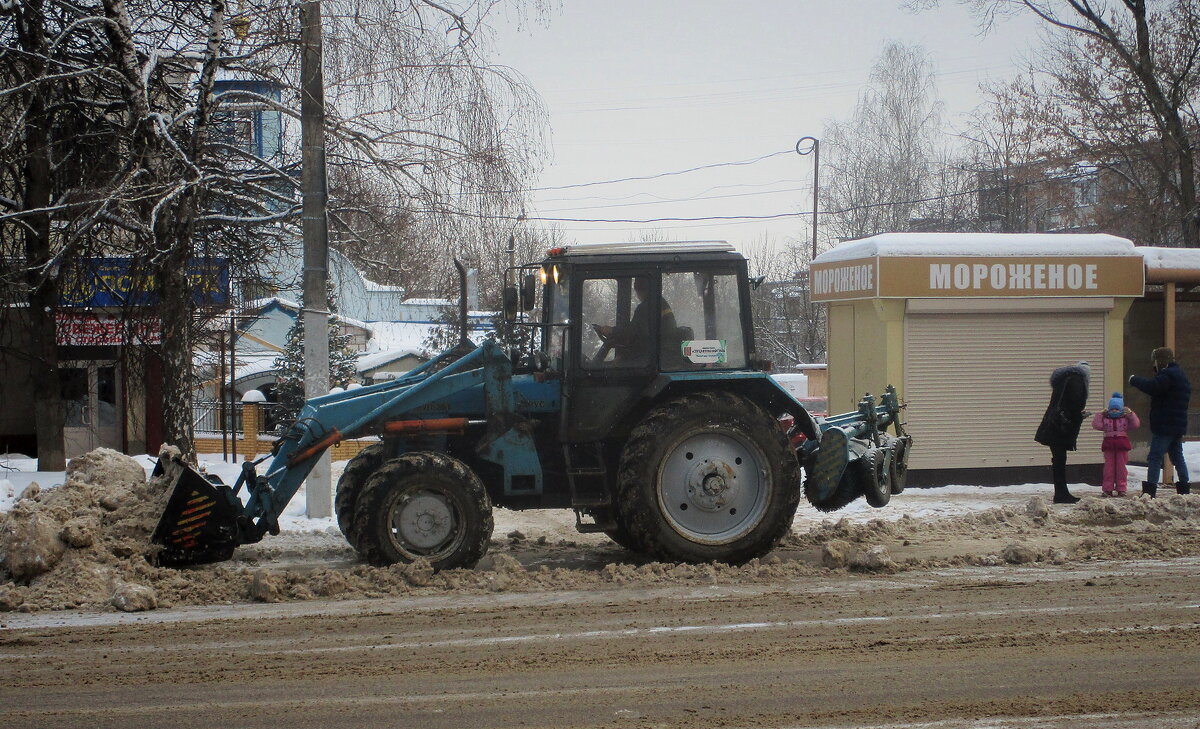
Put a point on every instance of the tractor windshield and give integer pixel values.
(695, 317)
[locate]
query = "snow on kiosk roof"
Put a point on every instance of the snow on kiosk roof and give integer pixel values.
(940, 265)
(980, 244)
(1171, 265)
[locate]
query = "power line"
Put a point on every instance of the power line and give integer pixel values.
(738, 163)
(768, 216)
(694, 198)
(657, 197)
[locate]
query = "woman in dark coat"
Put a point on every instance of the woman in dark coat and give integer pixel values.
(1060, 425)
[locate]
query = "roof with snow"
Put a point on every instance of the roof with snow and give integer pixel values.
(370, 360)
(370, 285)
(282, 303)
(1171, 265)
(682, 246)
(980, 244)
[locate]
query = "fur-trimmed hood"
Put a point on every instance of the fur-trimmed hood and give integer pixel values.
(1062, 373)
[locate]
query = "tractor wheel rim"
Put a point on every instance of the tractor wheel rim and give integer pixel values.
(424, 523)
(713, 488)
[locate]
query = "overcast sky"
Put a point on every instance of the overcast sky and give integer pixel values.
(637, 88)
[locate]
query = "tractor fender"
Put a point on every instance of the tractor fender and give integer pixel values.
(758, 387)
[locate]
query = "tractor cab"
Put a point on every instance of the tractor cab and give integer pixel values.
(616, 317)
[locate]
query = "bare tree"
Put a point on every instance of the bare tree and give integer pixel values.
(56, 159)
(789, 328)
(429, 146)
(1000, 153)
(1116, 86)
(444, 138)
(881, 161)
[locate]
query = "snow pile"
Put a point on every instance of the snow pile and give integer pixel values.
(8, 494)
(1136, 527)
(81, 543)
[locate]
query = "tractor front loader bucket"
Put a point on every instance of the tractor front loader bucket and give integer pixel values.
(200, 523)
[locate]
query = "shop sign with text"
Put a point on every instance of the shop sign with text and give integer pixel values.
(983, 276)
(118, 282)
(78, 329)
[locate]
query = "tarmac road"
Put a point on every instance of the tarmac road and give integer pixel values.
(1109, 645)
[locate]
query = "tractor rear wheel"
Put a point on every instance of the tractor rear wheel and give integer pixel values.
(423, 505)
(708, 477)
(358, 470)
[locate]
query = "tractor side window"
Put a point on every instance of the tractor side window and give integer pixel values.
(616, 322)
(708, 315)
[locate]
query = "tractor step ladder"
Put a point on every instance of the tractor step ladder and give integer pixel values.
(586, 474)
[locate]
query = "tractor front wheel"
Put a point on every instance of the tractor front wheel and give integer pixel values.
(358, 470)
(423, 505)
(708, 477)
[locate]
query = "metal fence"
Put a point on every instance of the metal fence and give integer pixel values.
(206, 417)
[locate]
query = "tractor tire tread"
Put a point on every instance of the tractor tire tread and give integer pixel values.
(358, 470)
(877, 487)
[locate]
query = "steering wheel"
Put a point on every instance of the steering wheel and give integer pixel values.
(606, 345)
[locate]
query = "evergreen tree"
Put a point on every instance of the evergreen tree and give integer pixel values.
(343, 364)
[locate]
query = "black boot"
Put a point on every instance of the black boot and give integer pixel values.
(1183, 487)
(1150, 489)
(1062, 496)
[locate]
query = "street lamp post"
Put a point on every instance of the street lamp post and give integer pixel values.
(806, 146)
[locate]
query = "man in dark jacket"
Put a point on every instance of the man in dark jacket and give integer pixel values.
(1059, 429)
(1169, 392)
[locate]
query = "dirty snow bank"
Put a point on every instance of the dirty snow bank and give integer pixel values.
(82, 545)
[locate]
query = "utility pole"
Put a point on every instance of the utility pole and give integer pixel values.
(316, 240)
(812, 145)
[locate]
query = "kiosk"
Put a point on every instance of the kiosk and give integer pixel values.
(969, 327)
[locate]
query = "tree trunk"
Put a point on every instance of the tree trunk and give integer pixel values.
(175, 305)
(49, 415)
(1187, 194)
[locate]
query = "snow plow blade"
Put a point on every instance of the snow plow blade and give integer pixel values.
(200, 523)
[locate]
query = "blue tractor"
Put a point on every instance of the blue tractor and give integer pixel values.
(625, 386)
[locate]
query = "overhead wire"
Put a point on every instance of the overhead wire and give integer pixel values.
(693, 198)
(659, 175)
(767, 216)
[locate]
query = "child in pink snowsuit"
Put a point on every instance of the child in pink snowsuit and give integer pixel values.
(1116, 421)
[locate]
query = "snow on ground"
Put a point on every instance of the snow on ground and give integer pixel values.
(17, 472)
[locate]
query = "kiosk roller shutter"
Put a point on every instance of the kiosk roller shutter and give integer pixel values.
(977, 385)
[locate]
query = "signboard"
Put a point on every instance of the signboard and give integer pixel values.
(913, 277)
(116, 282)
(95, 330)
(705, 351)
(845, 280)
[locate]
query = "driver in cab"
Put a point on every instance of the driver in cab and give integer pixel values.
(631, 340)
